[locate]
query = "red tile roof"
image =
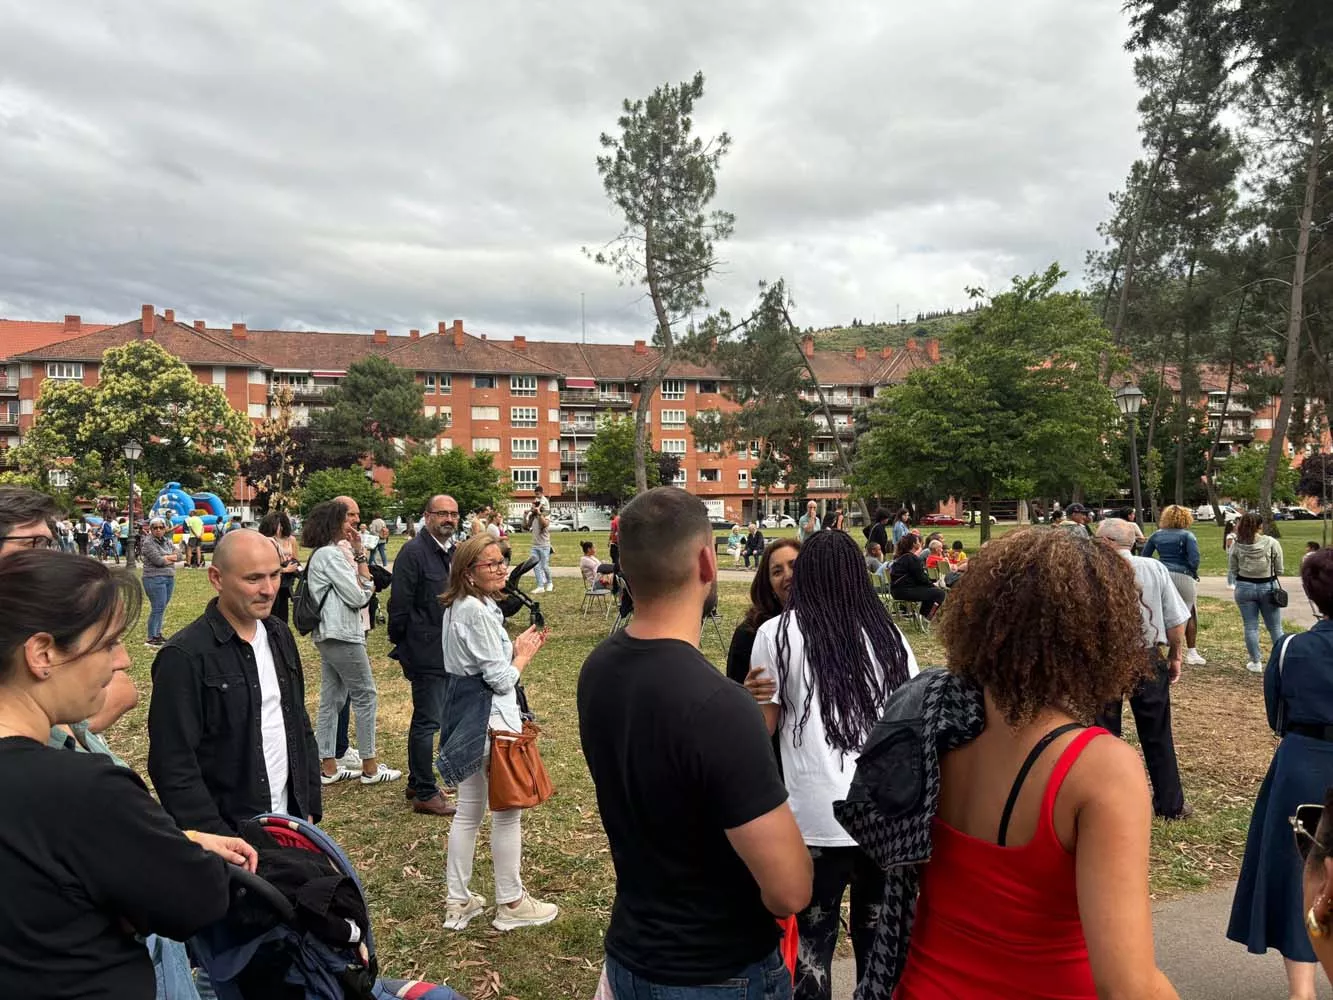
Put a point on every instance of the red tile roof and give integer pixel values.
(19, 336)
(436, 352)
(183, 341)
(302, 350)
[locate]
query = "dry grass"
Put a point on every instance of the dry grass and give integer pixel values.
(1222, 742)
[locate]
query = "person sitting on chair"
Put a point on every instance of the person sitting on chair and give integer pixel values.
(907, 577)
(754, 545)
(588, 566)
(875, 563)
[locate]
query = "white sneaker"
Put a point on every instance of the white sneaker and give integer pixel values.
(1193, 658)
(550, 588)
(341, 774)
(351, 759)
(382, 773)
(457, 914)
(1254, 667)
(528, 913)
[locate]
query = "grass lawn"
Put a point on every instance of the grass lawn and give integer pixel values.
(1223, 745)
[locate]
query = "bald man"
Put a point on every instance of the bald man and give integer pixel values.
(228, 734)
(420, 575)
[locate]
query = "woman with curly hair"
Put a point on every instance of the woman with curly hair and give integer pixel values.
(825, 691)
(1037, 880)
(1178, 550)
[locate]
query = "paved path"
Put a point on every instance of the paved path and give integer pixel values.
(1298, 611)
(1193, 951)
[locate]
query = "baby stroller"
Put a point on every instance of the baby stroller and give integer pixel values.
(308, 940)
(515, 600)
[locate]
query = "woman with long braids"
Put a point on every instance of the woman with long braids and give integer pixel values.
(823, 696)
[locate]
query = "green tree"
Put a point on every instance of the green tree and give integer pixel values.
(276, 468)
(472, 480)
(1019, 408)
(1241, 477)
(610, 461)
(662, 177)
(329, 483)
(376, 410)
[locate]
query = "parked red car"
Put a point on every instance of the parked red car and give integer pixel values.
(942, 520)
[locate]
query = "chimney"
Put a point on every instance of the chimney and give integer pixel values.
(381, 337)
(148, 323)
(860, 354)
(520, 343)
(457, 330)
(413, 334)
(886, 352)
(808, 346)
(933, 349)
(72, 323)
(640, 347)
(483, 336)
(911, 343)
(169, 315)
(200, 325)
(238, 331)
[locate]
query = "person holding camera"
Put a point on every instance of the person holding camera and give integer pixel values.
(538, 521)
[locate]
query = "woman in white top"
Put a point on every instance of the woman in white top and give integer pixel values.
(476, 644)
(825, 693)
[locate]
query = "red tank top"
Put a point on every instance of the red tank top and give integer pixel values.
(997, 921)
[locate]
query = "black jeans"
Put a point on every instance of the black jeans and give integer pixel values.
(1151, 705)
(341, 743)
(429, 692)
(817, 924)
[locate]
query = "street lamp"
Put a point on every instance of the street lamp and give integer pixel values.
(1129, 398)
(133, 451)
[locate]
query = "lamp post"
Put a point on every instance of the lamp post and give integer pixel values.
(133, 451)
(1128, 399)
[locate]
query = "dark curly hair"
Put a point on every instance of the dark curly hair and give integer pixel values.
(1043, 619)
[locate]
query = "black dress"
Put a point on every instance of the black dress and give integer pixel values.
(738, 665)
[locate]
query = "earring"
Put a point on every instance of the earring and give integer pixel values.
(46, 673)
(1312, 924)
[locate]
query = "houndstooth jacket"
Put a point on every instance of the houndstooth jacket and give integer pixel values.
(893, 799)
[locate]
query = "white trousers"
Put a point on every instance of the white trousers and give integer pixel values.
(506, 841)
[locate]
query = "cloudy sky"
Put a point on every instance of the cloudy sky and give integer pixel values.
(350, 164)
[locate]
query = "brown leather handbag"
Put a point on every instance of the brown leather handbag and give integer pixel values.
(518, 778)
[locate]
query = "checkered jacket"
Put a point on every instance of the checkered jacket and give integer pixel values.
(893, 799)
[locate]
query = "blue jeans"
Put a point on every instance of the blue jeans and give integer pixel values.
(542, 571)
(381, 550)
(158, 589)
(1254, 602)
(765, 980)
(429, 692)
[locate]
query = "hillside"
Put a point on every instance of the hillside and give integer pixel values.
(876, 335)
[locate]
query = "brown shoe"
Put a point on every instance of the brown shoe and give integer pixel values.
(436, 805)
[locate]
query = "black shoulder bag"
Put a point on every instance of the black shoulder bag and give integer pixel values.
(1278, 596)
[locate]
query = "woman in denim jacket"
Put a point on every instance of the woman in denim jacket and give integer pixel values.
(1178, 550)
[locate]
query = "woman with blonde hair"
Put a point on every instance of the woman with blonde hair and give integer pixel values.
(484, 667)
(1178, 549)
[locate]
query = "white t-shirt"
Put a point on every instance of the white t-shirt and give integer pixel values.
(816, 774)
(272, 727)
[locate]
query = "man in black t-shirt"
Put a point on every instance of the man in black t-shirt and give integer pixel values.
(706, 850)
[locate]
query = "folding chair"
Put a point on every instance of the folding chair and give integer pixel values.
(594, 595)
(625, 609)
(911, 610)
(716, 618)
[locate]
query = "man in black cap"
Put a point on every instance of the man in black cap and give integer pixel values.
(1077, 525)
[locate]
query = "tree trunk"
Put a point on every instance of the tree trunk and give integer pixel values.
(1211, 464)
(1154, 499)
(985, 517)
(1186, 374)
(648, 387)
(1296, 317)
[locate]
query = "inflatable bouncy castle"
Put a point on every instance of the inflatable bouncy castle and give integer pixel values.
(175, 505)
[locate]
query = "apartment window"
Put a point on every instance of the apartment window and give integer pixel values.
(673, 388)
(483, 381)
(525, 479)
(708, 385)
(430, 384)
(64, 369)
(486, 444)
(523, 385)
(754, 449)
(673, 446)
(673, 419)
(447, 415)
(523, 447)
(485, 413)
(611, 388)
(58, 478)
(680, 479)
(743, 479)
(710, 475)
(445, 384)
(523, 416)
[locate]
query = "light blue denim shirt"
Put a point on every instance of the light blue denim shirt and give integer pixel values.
(475, 643)
(1177, 548)
(330, 573)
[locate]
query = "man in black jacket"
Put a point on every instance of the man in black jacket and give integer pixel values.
(754, 545)
(228, 733)
(420, 575)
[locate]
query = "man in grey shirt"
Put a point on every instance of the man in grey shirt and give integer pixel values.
(538, 521)
(1164, 616)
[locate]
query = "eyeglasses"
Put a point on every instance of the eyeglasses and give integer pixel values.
(30, 541)
(442, 513)
(1304, 825)
(491, 565)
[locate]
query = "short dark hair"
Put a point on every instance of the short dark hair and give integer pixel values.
(538, 488)
(20, 505)
(659, 530)
(1311, 546)
(957, 545)
(1317, 579)
(324, 525)
(881, 514)
(586, 547)
(276, 524)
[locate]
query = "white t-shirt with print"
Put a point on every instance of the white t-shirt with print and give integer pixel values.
(816, 774)
(272, 727)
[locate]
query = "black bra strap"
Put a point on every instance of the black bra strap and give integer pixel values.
(1036, 752)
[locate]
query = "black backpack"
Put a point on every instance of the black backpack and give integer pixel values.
(306, 611)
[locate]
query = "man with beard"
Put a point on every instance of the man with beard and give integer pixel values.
(705, 846)
(420, 575)
(228, 733)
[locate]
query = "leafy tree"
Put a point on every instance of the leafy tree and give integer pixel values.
(610, 461)
(375, 406)
(662, 177)
(188, 430)
(472, 480)
(329, 483)
(1241, 477)
(1316, 476)
(1019, 408)
(277, 467)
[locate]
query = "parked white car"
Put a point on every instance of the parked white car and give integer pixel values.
(589, 519)
(779, 521)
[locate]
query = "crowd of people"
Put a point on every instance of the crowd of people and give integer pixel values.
(991, 832)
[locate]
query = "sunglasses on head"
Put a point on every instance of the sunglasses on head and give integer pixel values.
(1304, 825)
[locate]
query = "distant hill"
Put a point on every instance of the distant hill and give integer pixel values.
(876, 335)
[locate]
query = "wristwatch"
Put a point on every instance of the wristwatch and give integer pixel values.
(362, 558)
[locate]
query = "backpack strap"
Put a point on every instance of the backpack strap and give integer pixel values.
(1033, 754)
(1281, 664)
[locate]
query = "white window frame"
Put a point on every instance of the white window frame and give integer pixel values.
(484, 410)
(716, 473)
(524, 447)
(518, 416)
(674, 446)
(673, 388)
(445, 384)
(674, 419)
(523, 385)
(485, 444)
(743, 478)
(477, 385)
(430, 384)
(525, 478)
(447, 412)
(58, 479)
(682, 478)
(71, 371)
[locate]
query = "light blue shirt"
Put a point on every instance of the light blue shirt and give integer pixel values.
(475, 642)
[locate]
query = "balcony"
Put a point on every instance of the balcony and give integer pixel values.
(300, 393)
(9, 423)
(585, 427)
(1234, 407)
(843, 430)
(1234, 430)
(578, 456)
(591, 397)
(8, 386)
(825, 483)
